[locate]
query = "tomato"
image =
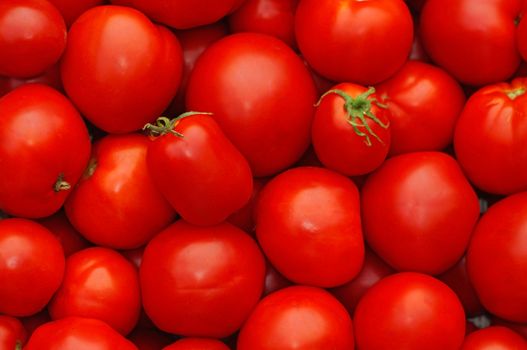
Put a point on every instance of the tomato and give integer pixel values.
(261, 95)
(272, 17)
(351, 130)
(70, 239)
(32, 39)
(498, 281)
(12, 333)
(358, 41)
(77, 333)
(197, 344)
(50, 77)
(120, 83)
(99, 283)
(201, 281)
(71, 10)
(489, 139)
(472, 40)
(418, 212)
(149, 339)
(45, 147)
(116, 203)
(31, 266)
(424, 104)
(298, 318)
(309, 227)
(412, 310)
(494, 338)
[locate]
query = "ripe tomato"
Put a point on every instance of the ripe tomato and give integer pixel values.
(473, 40)
(351, 130)
(77, 333)
(197, 344)
(308, 224)
(44, 150)
(69, 238)
(120, 69)
(116, 203)
(418, 212)
(412, 311)
(424, 104)
(358, 41)
(71, 10)
(12, 333)
(298, 318)
(489, 139)
(201, 281)
(31, 266)
(32, 39)
(499, 281)
(261, 95)
(494, 338)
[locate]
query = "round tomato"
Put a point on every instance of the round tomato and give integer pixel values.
(298, 318)
(197, 343)
(261, 95)
(31, 266)
(409, 310)
(494, 338)
(308, 224)
(70, 239)
(418, 212)
(351, 130)
(120, 69)
(358, 41)
(44, 150)
(12, 333)
(71, 10)
(201, 281)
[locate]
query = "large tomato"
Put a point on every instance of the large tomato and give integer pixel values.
(357, 41)
(410, 311)
(261, 95)
(120, 69)
(490, 135)
(44, 150)
(419, 211)
(12, 333)
(494, 338)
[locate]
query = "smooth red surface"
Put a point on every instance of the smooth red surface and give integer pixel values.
(12, 333)
(494, 338)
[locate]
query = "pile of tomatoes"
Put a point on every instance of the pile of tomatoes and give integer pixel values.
(263, 175)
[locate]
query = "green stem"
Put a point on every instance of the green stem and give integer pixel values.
(60, 184)
(18, 345)
(165, 125)
(512, 94)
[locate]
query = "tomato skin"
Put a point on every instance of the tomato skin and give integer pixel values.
(201, 281)
(494, 338)
(336, 143)
(117, 83)
(328, 33)
(104, 207)
(261, 95)
(472, 40)
(77, 333)
(69, 238)
(412, 310)
(298, 317)
(418, 212)
(33, 37)
(43, 139)
(12, 333)
(31, 266)
(489, 139)
(197, 344)
(408, 95)
(71, 10)
(499, 283)
(316, 211)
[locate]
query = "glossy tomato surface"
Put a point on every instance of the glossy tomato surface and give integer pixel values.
(12, 333)
(494, 338)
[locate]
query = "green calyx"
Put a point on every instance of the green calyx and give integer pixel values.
(18, 345)
(512, 94)
(60, 184)
(165, 125)
(359, 110)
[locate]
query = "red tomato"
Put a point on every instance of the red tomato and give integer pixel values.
(418, 212)
(308, 224)
(150, 339)
(77, 333)
(357, 41)
(31, 266)
(490, 138)
(201, 281)
(99, 283)
(44, 150)
(424, 104)
(494, 338)
(197, 344)
(71, 10)
(261, 95)
(411, 311)
(12, 333)
(50, 77)
(272, 17)
(473, 40)
(70, 239)
(33, 37)
(350, 132)
(499, 282)
(116, 203)
(120, 69)
(198, 170)
(297, 318)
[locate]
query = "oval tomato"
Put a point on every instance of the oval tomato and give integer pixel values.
(494, 338)
(12, 333)
(197, 343)
(71, 10)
